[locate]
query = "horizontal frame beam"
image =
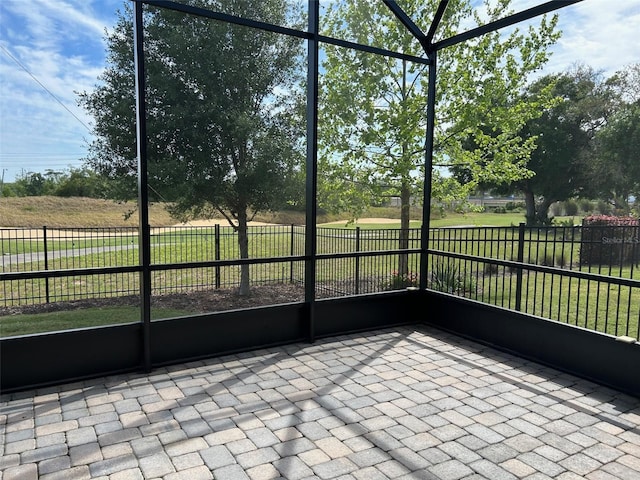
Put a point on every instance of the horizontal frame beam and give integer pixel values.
(292, 32)
(408, 23)
(503, 22)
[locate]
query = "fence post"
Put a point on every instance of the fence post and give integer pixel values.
(519, 269)
(46, 264)
(357, 272)
(635, 254)
(216, 243)
(291, 252)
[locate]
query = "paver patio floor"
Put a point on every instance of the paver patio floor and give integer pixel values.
(404, 403)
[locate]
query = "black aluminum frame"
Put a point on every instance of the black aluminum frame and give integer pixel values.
(37, 360)
(314, 39)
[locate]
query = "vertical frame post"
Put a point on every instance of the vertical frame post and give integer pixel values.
(217, 255)
(428, 174)
(144, 237)
(46, 263)
(521, 231)
(357, 272)
(292, 246)
(312, 164)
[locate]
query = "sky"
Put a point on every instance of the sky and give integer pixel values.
(52, 49)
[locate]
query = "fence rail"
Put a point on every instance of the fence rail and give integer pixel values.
(552, 272)
(590, 280)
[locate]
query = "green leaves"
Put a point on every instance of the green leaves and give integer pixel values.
(220, 109)
(372, 111)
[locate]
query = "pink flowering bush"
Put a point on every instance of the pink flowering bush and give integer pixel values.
(608, 220)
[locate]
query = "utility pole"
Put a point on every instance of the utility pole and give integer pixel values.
(2, 181)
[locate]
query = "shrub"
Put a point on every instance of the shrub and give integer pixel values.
(556, 209)
(609, 221)
(398, 281)
(571, 207)
(604, 207)
(512, 206)
(512, 269)
(447, 278)
(547, 260)
(564, 223)
(586, 205)
(490, 269)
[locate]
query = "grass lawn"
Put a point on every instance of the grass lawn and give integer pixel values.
(481, 219)
(25, 324)
(489, 219)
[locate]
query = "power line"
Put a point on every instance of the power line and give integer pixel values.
(22, 158)
(45, 88)
(40, 154)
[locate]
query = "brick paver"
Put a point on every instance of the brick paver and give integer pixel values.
(390, 404)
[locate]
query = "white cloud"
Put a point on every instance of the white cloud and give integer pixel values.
(600, 33)
(61, 44)
(50, 21)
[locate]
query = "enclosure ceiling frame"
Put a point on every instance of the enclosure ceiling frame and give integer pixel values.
(425, 40)
(435, 23)
(501, 23)
(408, 23)
(269, 27)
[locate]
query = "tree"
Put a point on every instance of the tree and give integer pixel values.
(586, 113)
(81, 182)
(564, 136)
(618, 146)
(35, 184)
(626, 84)
(221, 121)
(372, 114)
(617, 143)
(71, 182)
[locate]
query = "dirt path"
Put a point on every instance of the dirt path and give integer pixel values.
(224, 223)
(7, 233)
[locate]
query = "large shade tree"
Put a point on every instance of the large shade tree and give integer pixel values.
(222, 131)
(616, 161)
(372, 111)
(618, 146)
(584, 142)
(564, 135)
(562, 163)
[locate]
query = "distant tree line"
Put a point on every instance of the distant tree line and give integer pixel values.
(73, 182)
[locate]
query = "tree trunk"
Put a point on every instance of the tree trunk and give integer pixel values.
(243, 244)
(530, 208)
(405, 197)
(403, 241)
(543, 211)
(536, 214)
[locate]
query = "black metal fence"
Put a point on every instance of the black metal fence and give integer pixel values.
(541, 271)
(197, 258)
